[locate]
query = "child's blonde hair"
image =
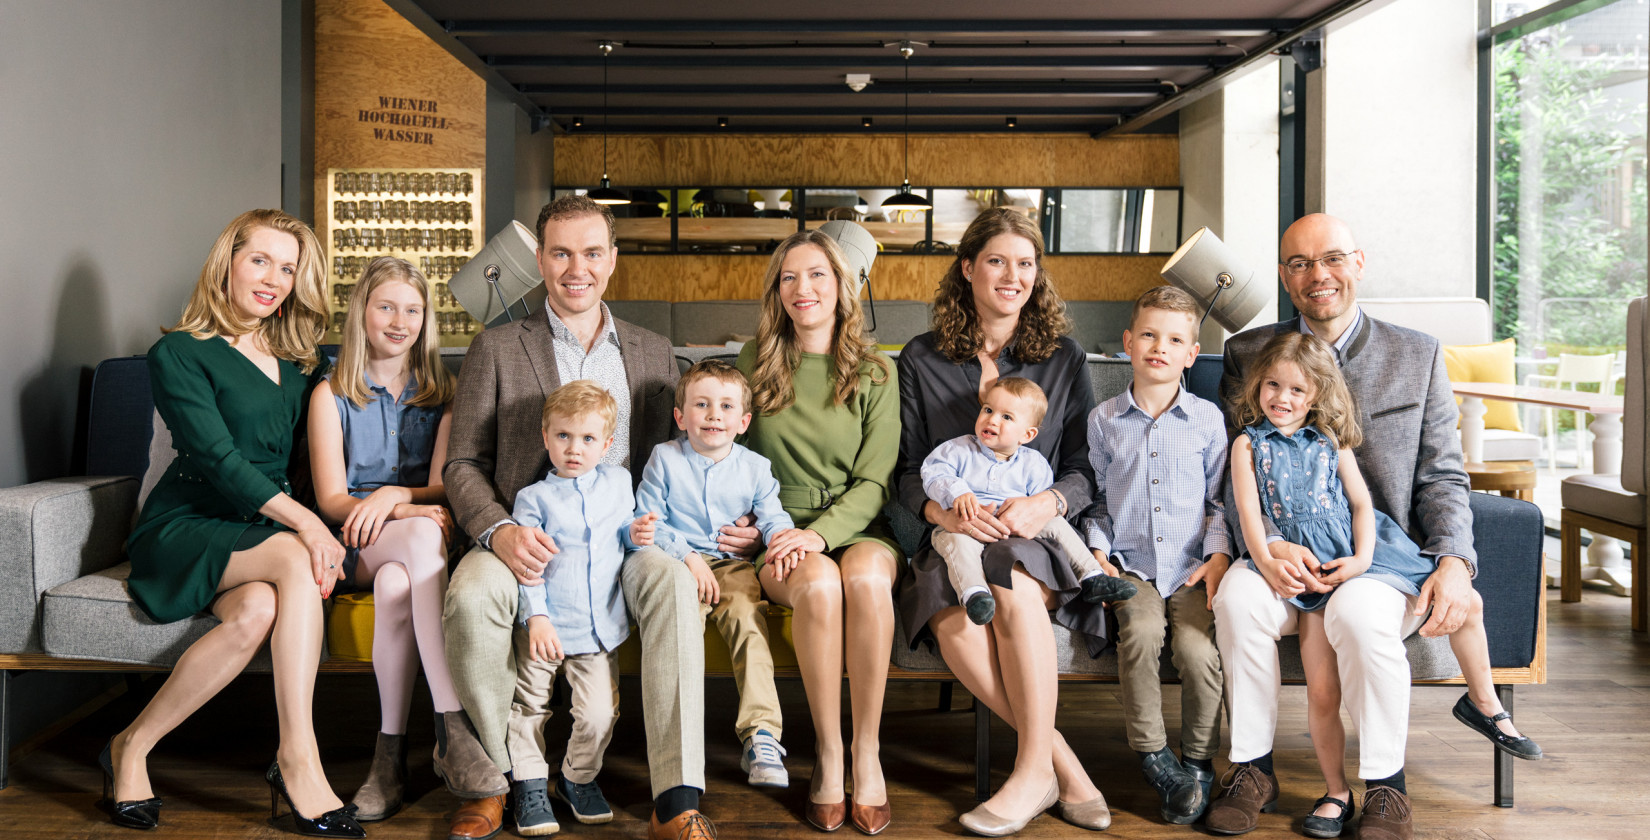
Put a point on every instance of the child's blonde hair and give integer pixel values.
(1333, 412)
(578, 398)
(435, 384)
(720, 371)
(1167, 299)
(1027, 390)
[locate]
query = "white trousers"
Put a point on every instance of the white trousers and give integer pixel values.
(1366, 622)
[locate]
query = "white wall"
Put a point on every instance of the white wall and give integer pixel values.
(133, 131)
(1400, 126)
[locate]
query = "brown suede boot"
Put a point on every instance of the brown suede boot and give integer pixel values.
(380, 794)
(461, 762)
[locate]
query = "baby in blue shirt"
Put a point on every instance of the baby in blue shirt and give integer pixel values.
(574, 620)
(696, 485)
(978, 472)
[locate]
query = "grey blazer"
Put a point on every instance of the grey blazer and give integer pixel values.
(496, 446)
(1411, 454)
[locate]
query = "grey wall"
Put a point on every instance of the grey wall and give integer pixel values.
(133, 131)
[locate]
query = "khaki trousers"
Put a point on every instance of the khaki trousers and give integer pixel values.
(964, 567)
(664, 602)
(477, 619)
(1143, 622)
(741, 619)
(593, 680)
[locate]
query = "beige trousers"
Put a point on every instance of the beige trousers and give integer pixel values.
(664, 602)
(1143, 623)
(593, 681)
(741, 619)
(477, 619)
(962, 554)
(1366, 622)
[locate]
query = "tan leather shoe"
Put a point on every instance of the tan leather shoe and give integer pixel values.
(1247, 794)
(688, 825)
(1092, 815)
(478, 819)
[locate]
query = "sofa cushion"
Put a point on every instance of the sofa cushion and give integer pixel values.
(94, 617)
(1486, 363)
(1603, 496)
(1504, 445)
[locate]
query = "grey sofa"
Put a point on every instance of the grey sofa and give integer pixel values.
(66, 606)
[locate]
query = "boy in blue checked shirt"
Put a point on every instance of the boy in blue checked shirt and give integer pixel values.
(980, 471)
(1159, 455)
(696, 485)
(576, 618)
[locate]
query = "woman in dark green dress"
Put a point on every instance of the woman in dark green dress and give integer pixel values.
(220, 531)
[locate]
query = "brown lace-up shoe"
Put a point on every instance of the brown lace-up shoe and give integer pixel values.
(477, 819)
(688, 825)
(1247, 793)
(1386, 815)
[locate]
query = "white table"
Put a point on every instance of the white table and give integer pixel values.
(1605, 562)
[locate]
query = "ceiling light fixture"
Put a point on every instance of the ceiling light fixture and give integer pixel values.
(721, 122)
(605, 194)
(865, 121)
(578, 122)
(1013, 121)
(905, 199)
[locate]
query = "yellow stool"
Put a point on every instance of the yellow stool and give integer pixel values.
(349, 628)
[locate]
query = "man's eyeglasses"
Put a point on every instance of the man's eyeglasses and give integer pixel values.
(1333, 262)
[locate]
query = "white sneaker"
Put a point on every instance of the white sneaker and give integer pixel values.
(764, 759)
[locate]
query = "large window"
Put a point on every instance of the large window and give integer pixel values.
(1568, 135)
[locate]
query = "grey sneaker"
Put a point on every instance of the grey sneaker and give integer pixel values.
(589, 806)
(764, 760)
(533, 815)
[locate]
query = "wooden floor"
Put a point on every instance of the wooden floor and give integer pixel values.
(1593, 720)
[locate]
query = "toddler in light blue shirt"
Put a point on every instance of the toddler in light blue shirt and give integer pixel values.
(978, 472)
(575, 619)
(696, 485)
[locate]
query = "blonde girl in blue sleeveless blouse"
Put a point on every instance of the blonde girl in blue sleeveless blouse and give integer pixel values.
(378, 439)
(220, 532)
(1293, 464)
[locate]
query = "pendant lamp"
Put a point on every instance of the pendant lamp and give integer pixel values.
(905, 199)
(606, 194)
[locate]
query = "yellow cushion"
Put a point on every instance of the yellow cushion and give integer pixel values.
(349, 628)
(1486, 363)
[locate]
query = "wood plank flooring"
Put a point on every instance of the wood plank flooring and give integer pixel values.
(1593, 720)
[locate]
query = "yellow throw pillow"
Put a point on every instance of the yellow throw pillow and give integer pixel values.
(1486, 363)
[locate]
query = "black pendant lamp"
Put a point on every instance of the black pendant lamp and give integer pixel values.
(905, 199)
(606, 194)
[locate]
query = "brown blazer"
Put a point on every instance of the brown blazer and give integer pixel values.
(496, 446)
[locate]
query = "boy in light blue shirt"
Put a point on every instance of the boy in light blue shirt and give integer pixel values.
(696, 485)
(980, 471)
(574, 620)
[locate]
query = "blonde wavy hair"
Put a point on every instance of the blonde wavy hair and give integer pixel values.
(296, 328)
(1333, 412)
(435, 384)
(853, 354)
(956, 323)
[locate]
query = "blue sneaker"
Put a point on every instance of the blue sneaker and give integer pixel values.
(533, 815)
(764, 760)
(589, 806)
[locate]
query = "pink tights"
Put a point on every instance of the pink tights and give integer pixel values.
(407, 567)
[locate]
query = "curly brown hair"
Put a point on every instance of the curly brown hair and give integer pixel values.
(777, 355)
(956, 323)
(1334, 412)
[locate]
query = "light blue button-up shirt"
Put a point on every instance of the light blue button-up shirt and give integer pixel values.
(964, 465)
(588, 517)
(695, 496)
(1158, 504)
(386, 441)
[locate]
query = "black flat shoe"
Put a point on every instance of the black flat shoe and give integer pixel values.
(1316, 826)
(1467, 712)
(142, 814)
(339, 822)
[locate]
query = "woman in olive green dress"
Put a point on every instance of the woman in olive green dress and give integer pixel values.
(827, 416)
(220, 531)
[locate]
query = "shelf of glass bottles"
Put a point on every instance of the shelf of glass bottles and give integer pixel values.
(428, 217)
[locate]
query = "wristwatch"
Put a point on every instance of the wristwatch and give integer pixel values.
(1059, 502)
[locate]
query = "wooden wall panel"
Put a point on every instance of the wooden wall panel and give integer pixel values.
(364, 50)
(685, 277)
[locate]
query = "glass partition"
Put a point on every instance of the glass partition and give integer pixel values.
(955, 209)
(896, 231)
(1112, 221)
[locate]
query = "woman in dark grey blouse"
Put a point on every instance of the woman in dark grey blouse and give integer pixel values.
(997, 314)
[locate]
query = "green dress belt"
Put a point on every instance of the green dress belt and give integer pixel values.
(810, 498)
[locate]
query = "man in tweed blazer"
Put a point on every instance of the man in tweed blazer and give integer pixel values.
(1411, 459)
(496, 449)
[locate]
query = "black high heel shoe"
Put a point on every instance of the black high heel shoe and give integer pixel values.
(339, 822)
(141, 814)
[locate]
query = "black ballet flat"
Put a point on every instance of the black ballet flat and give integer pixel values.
(1326, 827)
(339, 822)
(1467, 712)
(142, 814)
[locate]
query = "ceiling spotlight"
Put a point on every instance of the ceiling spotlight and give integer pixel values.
(578, 122)
(722, 122)
(865, 121)
(1013, 121)
(858, 81)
